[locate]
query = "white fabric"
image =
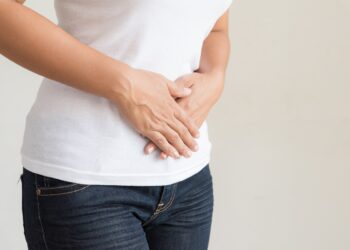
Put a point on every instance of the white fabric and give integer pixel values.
(79, 137)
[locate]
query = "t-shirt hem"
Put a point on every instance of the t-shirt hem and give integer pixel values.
(72, 175)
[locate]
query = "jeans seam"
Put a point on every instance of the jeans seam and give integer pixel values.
(64, 193)
(64, 186)
(171, 200)
(158, 211)
(39, 217)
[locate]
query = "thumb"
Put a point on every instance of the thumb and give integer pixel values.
(178, 90)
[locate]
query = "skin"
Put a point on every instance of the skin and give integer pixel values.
(144, 98)
(207, 82)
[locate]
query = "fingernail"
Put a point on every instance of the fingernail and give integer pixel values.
(187, 91)
(176, 154)
(196, 147)
(197, 135)
(150, 149)
(188, 153)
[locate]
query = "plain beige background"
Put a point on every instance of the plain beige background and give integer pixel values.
(280, 133)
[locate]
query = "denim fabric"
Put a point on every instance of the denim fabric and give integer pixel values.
(60, 215)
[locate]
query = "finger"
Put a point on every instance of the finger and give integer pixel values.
(177, 90)
(175, 140)
(183, 117)
(149, 148)
(162, 143)
(163, 155)
(185, 137)
(185, 81)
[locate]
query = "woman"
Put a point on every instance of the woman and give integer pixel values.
(116, 152)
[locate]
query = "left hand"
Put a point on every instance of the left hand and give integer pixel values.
(206, 87)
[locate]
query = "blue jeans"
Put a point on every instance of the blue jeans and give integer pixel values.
(59, 215)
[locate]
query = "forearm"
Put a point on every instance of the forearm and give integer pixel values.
(214, 60)
(215, 52)
(34, 42)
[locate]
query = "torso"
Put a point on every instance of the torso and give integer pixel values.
(76, 136)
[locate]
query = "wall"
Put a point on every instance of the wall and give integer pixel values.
(281, 131)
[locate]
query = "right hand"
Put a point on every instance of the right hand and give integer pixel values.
(150, 107)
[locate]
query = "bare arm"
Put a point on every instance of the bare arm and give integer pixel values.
(143, 97)
(34, 42)
(215, 54)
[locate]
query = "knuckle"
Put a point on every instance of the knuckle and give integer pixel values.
(176, 112)
(183, 132)
(192, 127)
(173, 137)
(188, 122)
(159, 140)
(159, 127)
(169, 151)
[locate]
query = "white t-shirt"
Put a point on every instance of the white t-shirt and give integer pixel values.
(76, 136)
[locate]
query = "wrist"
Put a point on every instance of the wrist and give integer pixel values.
(121, 83)
(216, 79)
(217, 74)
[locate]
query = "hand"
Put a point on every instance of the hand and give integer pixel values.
(150, 108)
(206, 88)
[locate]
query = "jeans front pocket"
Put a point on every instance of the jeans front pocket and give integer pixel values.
(49, 186)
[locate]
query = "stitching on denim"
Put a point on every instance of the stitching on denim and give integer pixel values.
(39, 217)
(65, 186)
(154, 214)
(152, 218)
(65, 192)
(158, 211)
(162, 195)
(171, 200)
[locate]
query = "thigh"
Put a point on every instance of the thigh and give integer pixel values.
(65, 215)
(186, 224)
